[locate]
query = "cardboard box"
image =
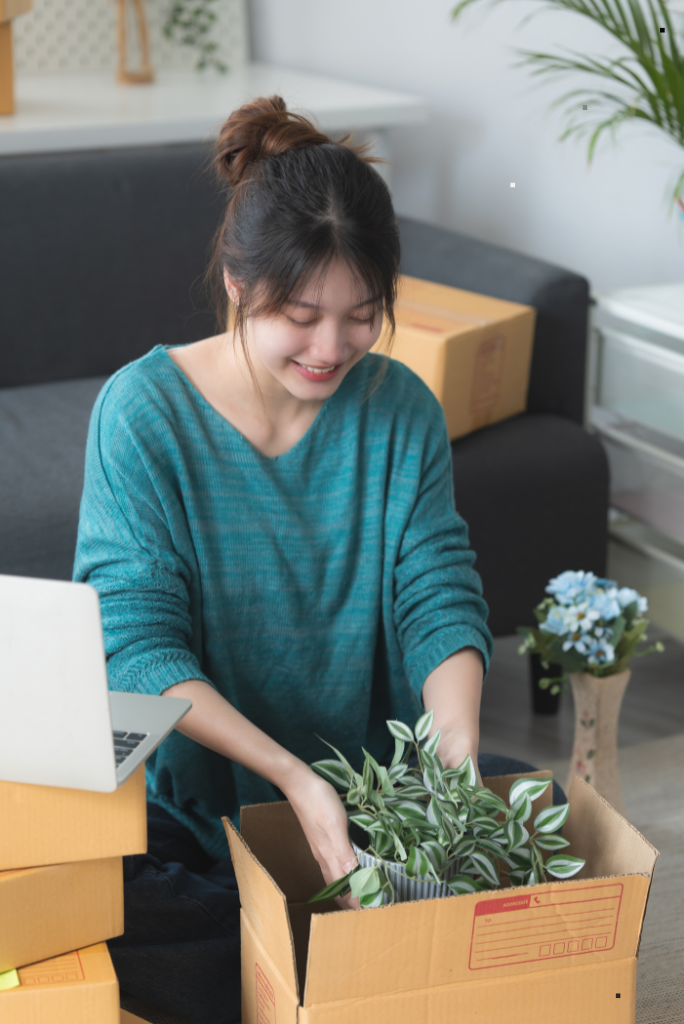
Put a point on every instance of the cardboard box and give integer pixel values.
(76, 988)
(51, 825)
(561, 951)
(472, 351)
(131, 1018)
(49, 910)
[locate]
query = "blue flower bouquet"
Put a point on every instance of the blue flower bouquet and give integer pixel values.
(588, 625)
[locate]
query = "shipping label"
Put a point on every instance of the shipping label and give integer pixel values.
(58, 971)
(527, 927)
(265, 999)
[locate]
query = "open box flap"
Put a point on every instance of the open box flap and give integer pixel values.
(606, 840)
(265, 906)
(275, 837)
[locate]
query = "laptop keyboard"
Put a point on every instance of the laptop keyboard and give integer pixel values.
(125, 743)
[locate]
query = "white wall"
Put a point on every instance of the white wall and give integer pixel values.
(488, 126)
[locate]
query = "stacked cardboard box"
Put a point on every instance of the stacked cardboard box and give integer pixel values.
(61, 897)
(473, 352)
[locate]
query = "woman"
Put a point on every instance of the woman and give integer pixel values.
(268, 517)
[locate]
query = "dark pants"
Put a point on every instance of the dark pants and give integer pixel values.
(181, 948)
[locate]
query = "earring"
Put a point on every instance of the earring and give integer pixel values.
(234, 297)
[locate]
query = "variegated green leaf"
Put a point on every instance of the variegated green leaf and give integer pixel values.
(411, 809)
(423, 726)
(339, 888)
(491, 847)
(334, 772)
(532, 787)
(436, 853)
(467, 771)
(431, 744)
(461, 884)
(491, 801)
(562, 865)
(362, 820)
(417, 862)
(382, 844)
(411, 790)
(552, 842)
(434, 815)
(521, 810)
(516, 834)
(399, 750)
(485, 866)
(397, 772)
(372, 900)
(521, 857)
(552, 818)
(531, 878)
(365, 881)
(519, 876)
(400, 731)
(340, 757)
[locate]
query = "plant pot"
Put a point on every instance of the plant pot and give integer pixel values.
(597, 711)
(404, 888)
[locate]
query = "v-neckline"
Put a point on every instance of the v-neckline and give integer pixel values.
(245, 440)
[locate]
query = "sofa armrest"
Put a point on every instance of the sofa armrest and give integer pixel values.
(560, 297)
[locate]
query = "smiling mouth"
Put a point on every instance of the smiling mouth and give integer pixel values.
(317, 369)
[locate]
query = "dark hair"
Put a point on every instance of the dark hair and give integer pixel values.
(298, 200)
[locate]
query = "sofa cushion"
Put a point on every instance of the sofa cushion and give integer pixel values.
(43, 432)
(534, 492)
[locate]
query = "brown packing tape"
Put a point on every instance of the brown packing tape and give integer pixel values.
(52, 825)
(6, 69)
(49, 910)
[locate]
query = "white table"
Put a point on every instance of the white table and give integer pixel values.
(69, 112)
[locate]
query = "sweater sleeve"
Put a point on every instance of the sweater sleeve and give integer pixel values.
(438, 603)
(125, 551)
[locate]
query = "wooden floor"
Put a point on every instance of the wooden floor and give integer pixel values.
(653, 707)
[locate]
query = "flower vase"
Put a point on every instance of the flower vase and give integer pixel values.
(597, 711)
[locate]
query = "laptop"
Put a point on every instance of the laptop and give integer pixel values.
(59, 724)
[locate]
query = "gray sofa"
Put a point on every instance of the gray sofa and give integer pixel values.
(102, 256)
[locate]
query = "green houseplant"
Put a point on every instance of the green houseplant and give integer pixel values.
(591, 628)
(190, 23)
(427, 824)
(645, 83)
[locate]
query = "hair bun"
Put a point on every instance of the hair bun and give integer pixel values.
(259, 130)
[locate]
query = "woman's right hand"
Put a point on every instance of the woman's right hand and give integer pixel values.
(323, 818)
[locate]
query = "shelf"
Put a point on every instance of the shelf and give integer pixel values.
(92, 111)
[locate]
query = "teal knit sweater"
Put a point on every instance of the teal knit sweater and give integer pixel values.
(315, 590)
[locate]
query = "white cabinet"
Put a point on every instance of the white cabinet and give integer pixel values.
(635, 402)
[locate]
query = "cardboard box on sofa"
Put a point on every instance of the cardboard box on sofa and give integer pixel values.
(473, 352)
(52, 825)
(77, 988)
(48, 910)
(561, 951)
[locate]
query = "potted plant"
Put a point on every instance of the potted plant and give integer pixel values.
(642, 83)
(190, 23)
(592, 629)
(426, 831)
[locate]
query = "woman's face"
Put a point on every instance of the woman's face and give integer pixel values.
(328, 325)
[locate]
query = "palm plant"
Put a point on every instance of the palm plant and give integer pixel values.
(646, 82)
